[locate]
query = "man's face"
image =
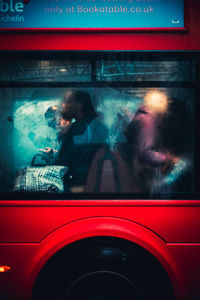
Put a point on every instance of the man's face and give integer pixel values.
(70, 108)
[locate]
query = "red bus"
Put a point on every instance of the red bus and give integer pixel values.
(129, 228)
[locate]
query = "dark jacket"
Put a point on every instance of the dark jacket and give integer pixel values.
(78, 146)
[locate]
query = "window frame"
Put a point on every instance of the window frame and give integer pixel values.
(94, 56)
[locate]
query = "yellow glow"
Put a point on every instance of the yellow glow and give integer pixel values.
(157, 102)
(4, 269)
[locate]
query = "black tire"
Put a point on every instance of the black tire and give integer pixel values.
(102, 269)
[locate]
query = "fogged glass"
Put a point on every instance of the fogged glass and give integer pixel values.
(135, 150)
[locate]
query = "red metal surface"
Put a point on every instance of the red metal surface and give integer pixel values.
(31, 222)
(31, 231)
(34, 231)
(82, 30)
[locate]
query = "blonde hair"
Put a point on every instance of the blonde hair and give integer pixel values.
(156, 101)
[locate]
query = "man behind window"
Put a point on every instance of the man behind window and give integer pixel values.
(82, 138)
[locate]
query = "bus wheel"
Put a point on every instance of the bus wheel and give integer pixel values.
(102, 268)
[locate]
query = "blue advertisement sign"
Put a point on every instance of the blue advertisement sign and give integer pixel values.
(91, 14)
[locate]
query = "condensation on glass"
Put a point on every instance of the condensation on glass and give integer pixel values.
(150, 130)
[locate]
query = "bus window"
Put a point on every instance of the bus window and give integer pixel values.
(79, 126)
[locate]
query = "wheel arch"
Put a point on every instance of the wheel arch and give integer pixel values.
(91, 228)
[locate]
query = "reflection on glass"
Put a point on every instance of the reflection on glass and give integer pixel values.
(140, 70)
(45, 70)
